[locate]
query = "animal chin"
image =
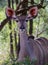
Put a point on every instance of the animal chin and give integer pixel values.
(22, 30)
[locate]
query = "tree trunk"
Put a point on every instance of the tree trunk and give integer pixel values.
(31, 22)
(11, 38)
(15, 35)
(30, 27)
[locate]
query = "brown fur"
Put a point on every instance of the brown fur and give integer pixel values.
(40, 47)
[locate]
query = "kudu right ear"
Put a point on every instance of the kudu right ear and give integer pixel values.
(9, 12)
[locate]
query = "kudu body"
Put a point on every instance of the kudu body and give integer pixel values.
(35, 49)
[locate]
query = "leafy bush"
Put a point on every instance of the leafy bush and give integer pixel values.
(25, 62)
(13, 62)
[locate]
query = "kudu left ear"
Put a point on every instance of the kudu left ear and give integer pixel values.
(33, 11)
(9, 12)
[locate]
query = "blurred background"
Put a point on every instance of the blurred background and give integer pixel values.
(40, 29)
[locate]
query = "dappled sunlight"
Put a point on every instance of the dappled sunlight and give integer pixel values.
(3, 56)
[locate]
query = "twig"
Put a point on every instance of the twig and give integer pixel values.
(41, 32)
(3, 23)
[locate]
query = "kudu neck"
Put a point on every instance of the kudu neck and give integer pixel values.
(25, 46)
(23, 37)
(23, 33)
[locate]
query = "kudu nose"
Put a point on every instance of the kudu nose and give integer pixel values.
(22, 27)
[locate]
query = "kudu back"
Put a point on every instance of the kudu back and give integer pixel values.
(40, 47)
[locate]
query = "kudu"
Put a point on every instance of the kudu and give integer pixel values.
(34, 48)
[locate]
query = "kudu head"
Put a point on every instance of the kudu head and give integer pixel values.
(22, 19)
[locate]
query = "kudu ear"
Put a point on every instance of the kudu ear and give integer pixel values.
(33, 12)
(9, 12)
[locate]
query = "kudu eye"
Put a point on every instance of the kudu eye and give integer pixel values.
(17, 21)
(29, 17)
(26, 20)
(15, 18)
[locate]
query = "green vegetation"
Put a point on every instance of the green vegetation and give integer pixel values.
(25, 62)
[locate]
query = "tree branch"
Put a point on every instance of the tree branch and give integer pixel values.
(3, 23)
(21, 3)
(41, 2)
(18, 11)
(32, 2)
(41, 32)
